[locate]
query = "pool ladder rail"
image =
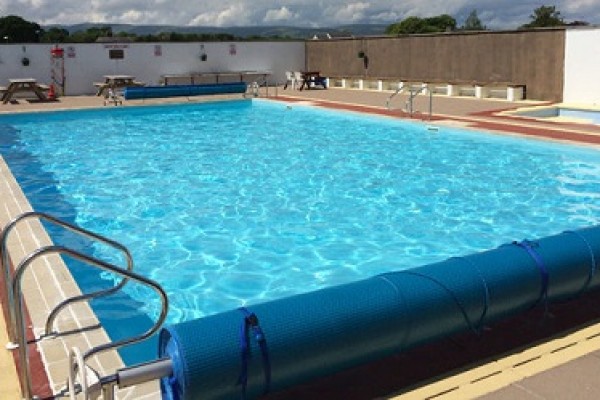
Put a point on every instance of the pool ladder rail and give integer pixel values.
(254, 88)
(16, 321)
(396, 92)
(413, 92)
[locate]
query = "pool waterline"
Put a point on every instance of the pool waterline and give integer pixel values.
(438, 192)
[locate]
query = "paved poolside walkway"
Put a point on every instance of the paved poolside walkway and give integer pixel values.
(529, 357)
(459, 111)
(8, 379)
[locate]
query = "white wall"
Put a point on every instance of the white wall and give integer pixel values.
(89, 62)
(582, 67)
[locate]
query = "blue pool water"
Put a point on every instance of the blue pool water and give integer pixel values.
(232, 203)
(589, 116)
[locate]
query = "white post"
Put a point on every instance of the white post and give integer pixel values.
(452, 90)
(514, 93)
(481, 92)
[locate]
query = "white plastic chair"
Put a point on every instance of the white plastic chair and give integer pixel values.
(289, 80)
(113, 97)
(298, 78)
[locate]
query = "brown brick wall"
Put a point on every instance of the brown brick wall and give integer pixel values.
(531, 58)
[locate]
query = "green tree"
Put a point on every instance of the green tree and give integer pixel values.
(578, 23)
(14, 29)
(408, 25)
(473, 23)
(440, 23)
(55, 35)
(545, 16)
(90, 35)
(123, 34)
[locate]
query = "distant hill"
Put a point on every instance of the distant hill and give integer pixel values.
(238, 31)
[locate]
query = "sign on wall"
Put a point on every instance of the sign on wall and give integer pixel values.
(116, 54)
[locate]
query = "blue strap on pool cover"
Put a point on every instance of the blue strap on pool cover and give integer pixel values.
(529, 246)
(593, 266)
(486, 295)
(475, 328)
(251, 321)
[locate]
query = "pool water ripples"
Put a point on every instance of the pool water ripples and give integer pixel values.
(234, 203)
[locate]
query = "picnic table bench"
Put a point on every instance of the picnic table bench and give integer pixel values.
(311, 78)
(23, 85)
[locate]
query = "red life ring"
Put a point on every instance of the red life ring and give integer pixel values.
(57, 52)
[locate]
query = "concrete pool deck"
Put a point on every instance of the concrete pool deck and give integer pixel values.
(554, 360)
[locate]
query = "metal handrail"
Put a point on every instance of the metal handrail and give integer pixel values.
(256, 86)
(130, 376)
(6, 266)
(389, 99)
(265, 81)
(411, 97)
(414, 94)
(24, 371)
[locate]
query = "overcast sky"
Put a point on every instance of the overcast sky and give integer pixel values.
(496, 14)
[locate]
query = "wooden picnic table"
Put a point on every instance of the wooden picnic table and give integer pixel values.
(23, 85)
(313, 77)
(115, 82)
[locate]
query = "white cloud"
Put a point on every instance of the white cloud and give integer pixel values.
(496, 14)
(582, 10)
(350, 13)
(234, 15)
(278, 15)
(133, 16)
(385, 17)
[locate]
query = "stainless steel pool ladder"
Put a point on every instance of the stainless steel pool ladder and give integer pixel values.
(16, 328)
(410, 102)
(397, 92)
(414, 93)
(254, 87)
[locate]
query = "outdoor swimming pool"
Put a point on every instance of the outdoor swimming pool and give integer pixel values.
(235, 203)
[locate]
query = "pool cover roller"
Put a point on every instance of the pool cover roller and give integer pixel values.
(147, 92)
(267, 347)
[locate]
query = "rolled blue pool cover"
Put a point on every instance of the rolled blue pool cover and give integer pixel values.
(323, 332)
(147, 92)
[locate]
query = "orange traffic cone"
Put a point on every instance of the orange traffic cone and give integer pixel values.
(51, 92)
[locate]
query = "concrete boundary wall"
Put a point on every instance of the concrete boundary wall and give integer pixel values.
(531, 58)
(553, 64)
(88, 62)
(582, 67)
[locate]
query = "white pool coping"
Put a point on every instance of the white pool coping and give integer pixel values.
(46, 283)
